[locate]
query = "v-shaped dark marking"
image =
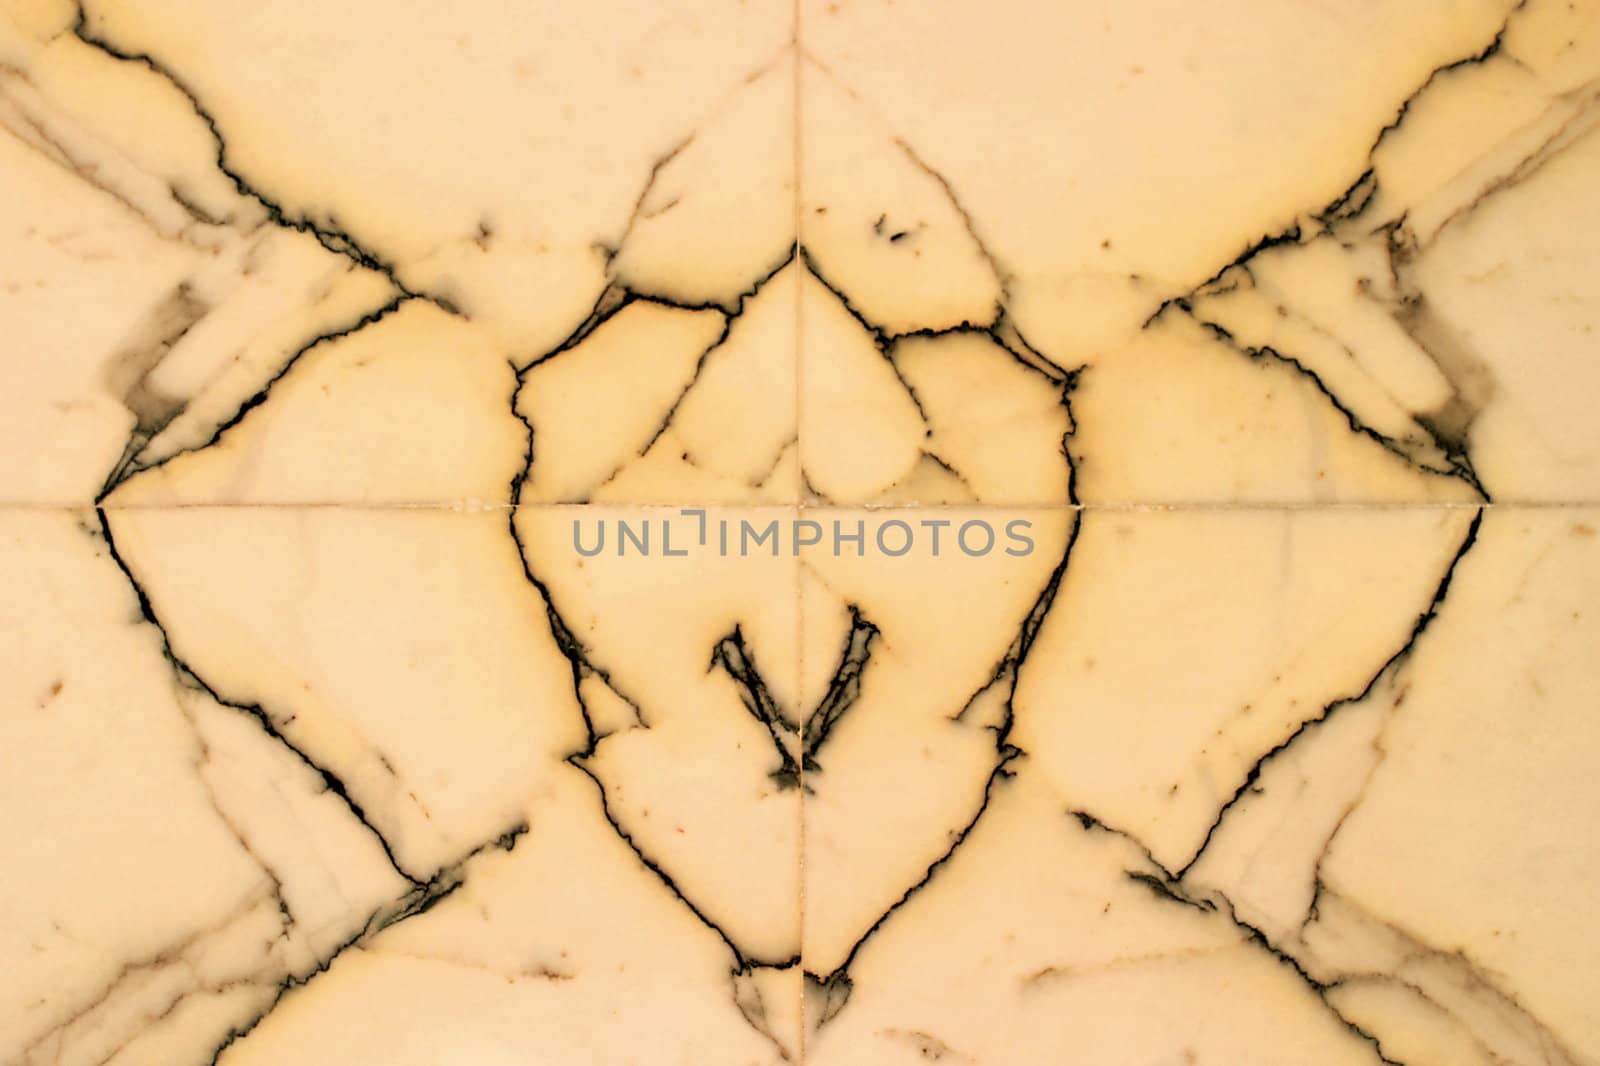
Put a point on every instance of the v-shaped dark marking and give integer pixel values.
(797, 748)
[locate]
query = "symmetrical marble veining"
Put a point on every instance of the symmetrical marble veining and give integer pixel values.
(826, 531)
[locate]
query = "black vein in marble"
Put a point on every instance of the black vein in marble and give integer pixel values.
(844, 688)
(1388, 669)
(128, 375)
(129, 465)
(734, 656)
(834, 988)
(1452, 444)
(421, 899)
(187, 675)
(1168, 887)
(326, 233)
(1360, 193)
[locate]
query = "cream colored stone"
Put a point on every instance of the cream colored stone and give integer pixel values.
(747, 532)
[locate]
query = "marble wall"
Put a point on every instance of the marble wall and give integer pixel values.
(732, 532)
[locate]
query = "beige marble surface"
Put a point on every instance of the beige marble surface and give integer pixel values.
(729, 532)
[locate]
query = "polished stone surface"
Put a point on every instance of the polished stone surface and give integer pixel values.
(837, 531)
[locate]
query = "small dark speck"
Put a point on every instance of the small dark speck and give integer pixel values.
(55, 690)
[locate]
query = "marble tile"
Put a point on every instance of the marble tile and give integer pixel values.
(834, 531)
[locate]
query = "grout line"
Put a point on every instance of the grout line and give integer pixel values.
(1113, 507)
(797, 162)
